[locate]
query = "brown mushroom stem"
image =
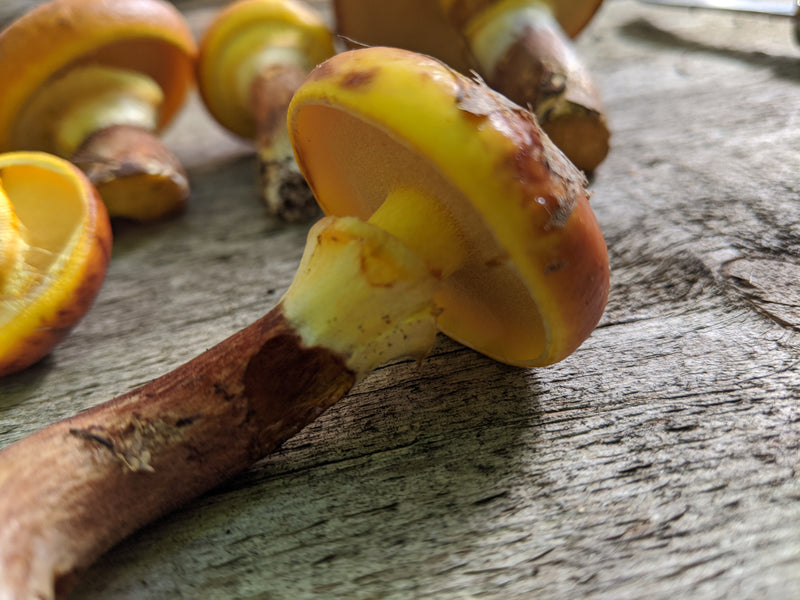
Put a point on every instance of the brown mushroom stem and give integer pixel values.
(134, 172)
(523, 52)
(282, 187)
(74, 489)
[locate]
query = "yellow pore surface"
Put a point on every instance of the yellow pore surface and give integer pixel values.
(56, 242)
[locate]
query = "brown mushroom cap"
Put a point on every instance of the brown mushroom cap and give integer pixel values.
(149, 36)
(535, 280)
(572, 15)
(434, 26)
(416, 25)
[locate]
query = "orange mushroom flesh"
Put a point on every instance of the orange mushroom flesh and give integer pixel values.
(371, 287)
(253, 57)
(55, 244)
(97, 82)
(521, 48)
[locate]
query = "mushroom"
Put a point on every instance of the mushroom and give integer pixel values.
(253, 57)
(55, 245)
(521, 48)
(96, 82)
(457, 210)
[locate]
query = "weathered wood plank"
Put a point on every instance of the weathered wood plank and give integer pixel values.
(659, 461)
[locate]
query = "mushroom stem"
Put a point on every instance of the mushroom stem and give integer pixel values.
(135, 173)
(74, 489)
(66, 111)
(253, 57)
(282, 187)
(432, 233)
(523, 52)
(104, 119)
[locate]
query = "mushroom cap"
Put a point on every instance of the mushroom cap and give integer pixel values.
(572, 15)
(149, 36)
(433, 26)
(416, 25)
(535, 281)
(66, 239)
(241, 29)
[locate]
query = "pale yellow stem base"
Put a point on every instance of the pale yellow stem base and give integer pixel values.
(362, 293)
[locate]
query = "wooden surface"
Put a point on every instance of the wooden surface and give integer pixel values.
(659, 461)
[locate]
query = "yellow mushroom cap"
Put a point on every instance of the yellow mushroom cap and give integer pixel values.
(240, 31)
(369, 122)
(65, 234)
(149, 36)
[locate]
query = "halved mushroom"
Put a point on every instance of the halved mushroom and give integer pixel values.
(252, 58)
(521, 48)
(96, 82)
(473, 219)
(55, 245)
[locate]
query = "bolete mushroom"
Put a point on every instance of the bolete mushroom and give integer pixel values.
(55, 244)
(471, 213)
(253, 57)
(96, 82)
(521, 48)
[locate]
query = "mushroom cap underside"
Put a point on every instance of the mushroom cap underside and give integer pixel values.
(242, 29)
(368, 122)
(148, 36)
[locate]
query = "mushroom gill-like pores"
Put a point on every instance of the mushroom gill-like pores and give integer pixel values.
(456, 208)
(522, 48)
(252, 58)
(96, 82)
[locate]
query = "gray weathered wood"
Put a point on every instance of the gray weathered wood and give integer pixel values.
(659, 461)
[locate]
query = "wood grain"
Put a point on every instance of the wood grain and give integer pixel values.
(659, 461)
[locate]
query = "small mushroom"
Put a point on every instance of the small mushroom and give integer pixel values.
(521, 48)
(253, 57)
(96, 82)
(55, 245)
(457, 211)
